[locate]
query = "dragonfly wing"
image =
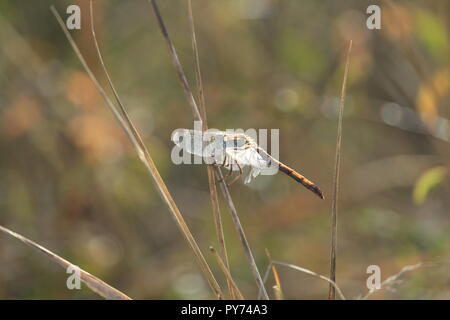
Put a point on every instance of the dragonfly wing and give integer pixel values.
(197, 142)
(248, 157)
(215, 154)
(189, 140)
(254, 172)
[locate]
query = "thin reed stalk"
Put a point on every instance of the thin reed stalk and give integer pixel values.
(197, 116)
(176, 62)
(337, 165)
(278, 291)
(393, 279)
(227, 274)
(312, 273)
(210, 170)
(92, 282)
(144, 156)
(243, 238)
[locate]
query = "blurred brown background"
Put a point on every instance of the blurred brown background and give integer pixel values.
(71, 181)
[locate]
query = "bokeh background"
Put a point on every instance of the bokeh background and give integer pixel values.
(71, 181)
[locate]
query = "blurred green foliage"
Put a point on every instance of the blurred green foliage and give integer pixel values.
(427, 181)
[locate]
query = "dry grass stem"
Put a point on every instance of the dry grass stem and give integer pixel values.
(197, 116)
(210, 170)
(227, 274)
(243, 238)
(337, 165)
(277, 288)
(95, 284)
(145, 157)
(393, 279)
(312, 273)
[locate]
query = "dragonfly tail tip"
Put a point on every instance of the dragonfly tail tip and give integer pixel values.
(319, 193)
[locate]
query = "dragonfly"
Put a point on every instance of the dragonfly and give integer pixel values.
(234, 151)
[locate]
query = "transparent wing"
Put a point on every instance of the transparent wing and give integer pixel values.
(249, 157)
(204, 144)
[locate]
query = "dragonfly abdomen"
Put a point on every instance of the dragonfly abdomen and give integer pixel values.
(299, 178)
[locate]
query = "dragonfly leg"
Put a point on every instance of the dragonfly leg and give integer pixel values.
(238, 176)
(224, 161)
(227, 175)
(230, 170)
(222, 165)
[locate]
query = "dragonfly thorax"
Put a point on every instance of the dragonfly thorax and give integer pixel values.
(237, 141)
